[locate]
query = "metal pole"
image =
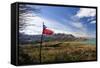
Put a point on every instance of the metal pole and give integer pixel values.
(41, 43)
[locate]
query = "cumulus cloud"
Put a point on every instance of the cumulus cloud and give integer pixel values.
(35, 26)
(86, 12)
(93, 22)
(77, 25)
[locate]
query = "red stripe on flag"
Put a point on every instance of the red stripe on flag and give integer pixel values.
(47, 31)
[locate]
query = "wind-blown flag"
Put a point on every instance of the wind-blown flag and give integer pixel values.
(47, 31)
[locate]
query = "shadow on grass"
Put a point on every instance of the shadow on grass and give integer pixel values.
(25, 59)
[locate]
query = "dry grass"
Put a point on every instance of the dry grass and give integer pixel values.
(57, 52)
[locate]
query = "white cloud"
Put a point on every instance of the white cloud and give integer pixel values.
(78, 29)
(93, 22)
(86, 12)
(34, 26)
(90, 19)
(77, 25)
(53, 25)
(81, 29)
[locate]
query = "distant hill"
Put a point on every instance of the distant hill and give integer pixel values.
(55, 37)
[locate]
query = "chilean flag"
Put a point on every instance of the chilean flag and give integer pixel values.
(47, 31)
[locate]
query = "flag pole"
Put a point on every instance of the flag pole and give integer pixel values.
(41, 43)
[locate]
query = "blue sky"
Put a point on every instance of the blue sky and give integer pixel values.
(69, 20)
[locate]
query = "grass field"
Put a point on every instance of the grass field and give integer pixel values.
(56, 52)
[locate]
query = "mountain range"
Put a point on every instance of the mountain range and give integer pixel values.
(23, 38)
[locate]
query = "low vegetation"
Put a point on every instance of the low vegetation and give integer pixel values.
(56, 52)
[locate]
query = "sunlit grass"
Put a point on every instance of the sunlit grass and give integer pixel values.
(57, 52)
